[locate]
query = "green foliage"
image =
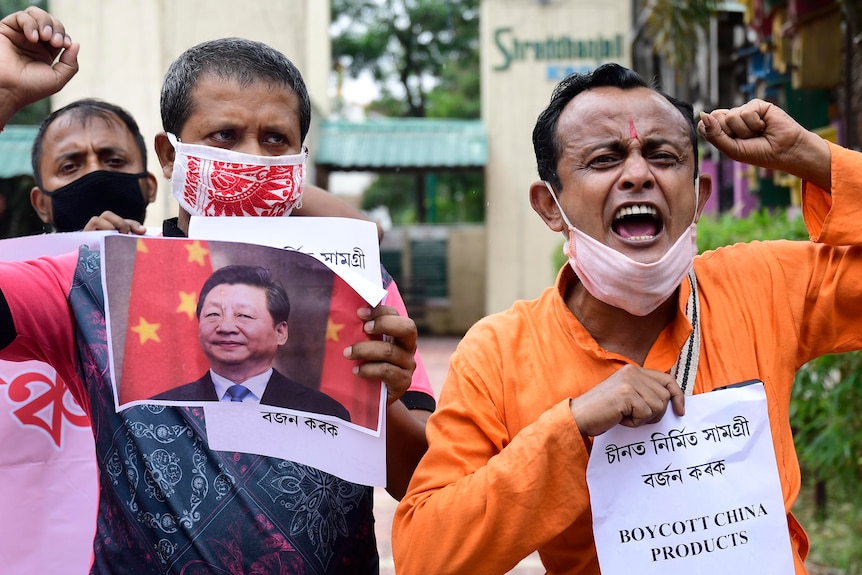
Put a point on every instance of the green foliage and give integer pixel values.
(674, 26)
(728, 229)
(396, 192)
(9, 6)
(458, 197)
(424, 56)
(32, 114)
(458, 93)
(824, 411)
(412, 44)
(825, 416)
(835, 538)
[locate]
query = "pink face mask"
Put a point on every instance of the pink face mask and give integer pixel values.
(209, 181)
(622, 282)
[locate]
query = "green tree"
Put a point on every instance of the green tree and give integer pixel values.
(407, 45)
(458, 94)
(675, 27)
(458, 197)
(424, 57)
(389, 190)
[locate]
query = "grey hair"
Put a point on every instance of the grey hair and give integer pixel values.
(245, 61)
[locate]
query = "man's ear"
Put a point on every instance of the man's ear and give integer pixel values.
(545, 206)
(281, 332)
(165, 152)
(42, 204)
(150, 188)
(704, 190)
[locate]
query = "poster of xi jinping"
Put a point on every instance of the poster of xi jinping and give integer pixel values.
(254, 335)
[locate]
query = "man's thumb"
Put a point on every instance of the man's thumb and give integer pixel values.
(67, 66)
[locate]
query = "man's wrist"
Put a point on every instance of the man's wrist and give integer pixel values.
(8, 108)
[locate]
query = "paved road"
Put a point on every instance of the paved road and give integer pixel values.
(435, 354)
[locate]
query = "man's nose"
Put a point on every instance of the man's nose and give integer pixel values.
(637, 173)
(226, 325)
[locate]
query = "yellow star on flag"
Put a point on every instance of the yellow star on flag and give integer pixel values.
(197, 252)
(147, 331)
(332, 329)
(188, 303)
(142, 246)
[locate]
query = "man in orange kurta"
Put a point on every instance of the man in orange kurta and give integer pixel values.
(505, 473)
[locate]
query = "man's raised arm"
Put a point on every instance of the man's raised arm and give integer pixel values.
(762, 134)
(30, 41)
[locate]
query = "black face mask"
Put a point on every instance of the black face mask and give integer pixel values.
(75, 203)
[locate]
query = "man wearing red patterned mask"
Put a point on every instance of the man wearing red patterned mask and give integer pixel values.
(233, 139)
(227, 95)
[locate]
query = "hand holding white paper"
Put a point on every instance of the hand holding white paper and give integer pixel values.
(692, 494)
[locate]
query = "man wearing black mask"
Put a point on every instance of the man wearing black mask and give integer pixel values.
(89, 161)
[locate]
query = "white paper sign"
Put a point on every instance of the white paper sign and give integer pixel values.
(326, 443)
(351, 249)
(692, 494)
(158, 355)
(347, 246)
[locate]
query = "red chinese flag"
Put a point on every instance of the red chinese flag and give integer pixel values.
(360, 396)
(162, 349)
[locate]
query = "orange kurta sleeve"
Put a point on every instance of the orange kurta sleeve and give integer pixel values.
(832, 217)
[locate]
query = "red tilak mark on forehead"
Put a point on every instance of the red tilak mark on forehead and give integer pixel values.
(633, 133)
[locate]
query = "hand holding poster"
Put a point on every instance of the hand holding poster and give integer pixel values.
(189, 319)
(693, 494)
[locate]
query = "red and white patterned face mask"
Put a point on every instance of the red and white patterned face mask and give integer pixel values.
(209, 181)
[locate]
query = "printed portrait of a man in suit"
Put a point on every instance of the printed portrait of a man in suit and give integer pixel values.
(242, 314)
